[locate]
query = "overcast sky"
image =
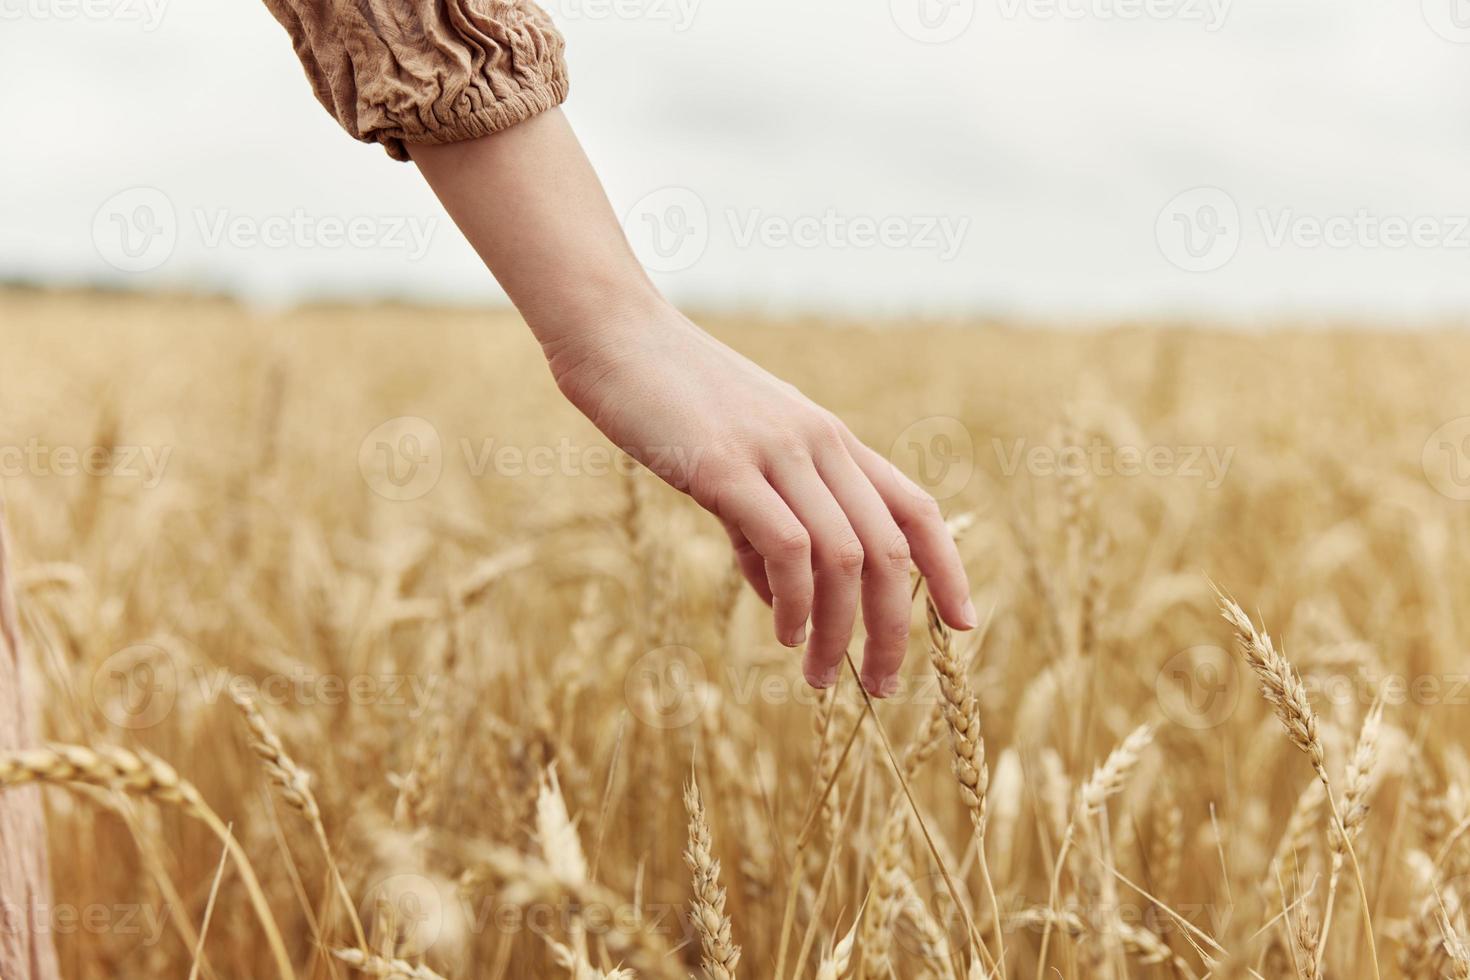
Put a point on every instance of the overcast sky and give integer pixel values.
(1057, 158)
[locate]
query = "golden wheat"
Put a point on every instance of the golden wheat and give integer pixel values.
(499, 678)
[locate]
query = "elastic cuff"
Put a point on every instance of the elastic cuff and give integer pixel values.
(481, 122)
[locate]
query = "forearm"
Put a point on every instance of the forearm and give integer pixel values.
(532, 206)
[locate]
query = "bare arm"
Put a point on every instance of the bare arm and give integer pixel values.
(817, 519)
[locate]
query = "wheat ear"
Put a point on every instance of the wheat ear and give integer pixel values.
(708, 908)
(838, 960)
(294, 784)
(524, 880)
(145, 775)
(962, 715)
(380, 966)
(1107, 780)
(883, 893)
(1284, 690)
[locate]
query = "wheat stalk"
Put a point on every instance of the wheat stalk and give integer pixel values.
(294, 784)
(1358, 784)
(1283, 689)
(721, 955)
(1106, 781)
(962, 715)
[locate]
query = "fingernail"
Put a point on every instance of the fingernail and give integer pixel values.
(799, 637)
(968, 616)
(885, 688)
(821, 678)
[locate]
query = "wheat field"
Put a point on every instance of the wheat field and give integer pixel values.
(327, 694)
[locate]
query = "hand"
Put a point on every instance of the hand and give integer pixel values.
(815, 516)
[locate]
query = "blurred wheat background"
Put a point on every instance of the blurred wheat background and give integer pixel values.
(526, 723)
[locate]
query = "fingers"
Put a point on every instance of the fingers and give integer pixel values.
(759, 515)
(837, 568)
(752, 565)
(885, 578)
(823, 529)
(933, 546)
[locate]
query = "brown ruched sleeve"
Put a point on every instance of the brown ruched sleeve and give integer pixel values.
(427, 71)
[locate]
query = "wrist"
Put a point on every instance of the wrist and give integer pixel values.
(590, 323)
